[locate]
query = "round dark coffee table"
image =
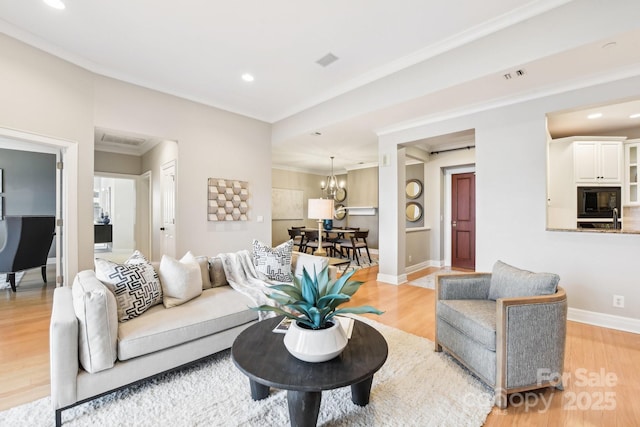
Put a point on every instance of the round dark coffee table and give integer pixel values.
(261, 355)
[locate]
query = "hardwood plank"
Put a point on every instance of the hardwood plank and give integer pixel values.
(24, 354)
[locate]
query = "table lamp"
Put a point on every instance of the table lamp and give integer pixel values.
(320, 209)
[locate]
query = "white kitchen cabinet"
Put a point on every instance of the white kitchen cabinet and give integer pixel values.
(631, 173)
(597, 162)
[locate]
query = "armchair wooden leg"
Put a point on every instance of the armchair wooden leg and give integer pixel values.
(44, 273)
(501, 399)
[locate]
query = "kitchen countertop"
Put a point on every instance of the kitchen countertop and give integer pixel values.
(595, 230)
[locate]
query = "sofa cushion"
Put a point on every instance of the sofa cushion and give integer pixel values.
(97, 313)
(135, 286)
(508, 282)
(216, 310)
(216, 272)
(475, 318)
(181, 280)
(309, 262)
(274, 263)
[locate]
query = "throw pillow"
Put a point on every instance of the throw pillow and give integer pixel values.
(216, 272)
(97, 313)
(274, 263)
(508, 282)
(135, 286)
(310, 263)
(181, 280)
(203, 262)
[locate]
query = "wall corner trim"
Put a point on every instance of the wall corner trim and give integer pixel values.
(604, 320)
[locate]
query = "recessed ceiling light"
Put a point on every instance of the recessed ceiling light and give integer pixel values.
(56, 4)
(635, 116)
(247, 77)
(316, 133)
(594, 116)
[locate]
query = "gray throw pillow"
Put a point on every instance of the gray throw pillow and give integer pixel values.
(216, 272)
(509, 282)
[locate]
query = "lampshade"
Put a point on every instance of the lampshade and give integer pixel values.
(320, 208)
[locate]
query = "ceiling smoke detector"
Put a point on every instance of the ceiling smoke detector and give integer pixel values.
(327, 60)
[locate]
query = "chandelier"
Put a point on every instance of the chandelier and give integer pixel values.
(330, 185)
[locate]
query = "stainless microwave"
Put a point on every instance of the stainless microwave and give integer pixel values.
(598, 202)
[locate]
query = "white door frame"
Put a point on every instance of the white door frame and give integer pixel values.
(67, 205)
(446, 209)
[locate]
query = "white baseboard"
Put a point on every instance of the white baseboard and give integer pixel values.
(610, 321)
(423, 265)
(394, 280)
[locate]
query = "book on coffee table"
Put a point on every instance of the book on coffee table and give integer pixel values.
(345, 322)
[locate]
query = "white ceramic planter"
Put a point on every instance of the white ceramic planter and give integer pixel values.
(315, 345)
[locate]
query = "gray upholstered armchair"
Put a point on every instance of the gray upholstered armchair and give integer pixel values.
(507, 327)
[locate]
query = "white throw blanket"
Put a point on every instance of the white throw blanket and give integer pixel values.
(243, 277)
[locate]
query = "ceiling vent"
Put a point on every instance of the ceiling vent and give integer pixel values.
(122, 140)
(517, 73)
(327, 60)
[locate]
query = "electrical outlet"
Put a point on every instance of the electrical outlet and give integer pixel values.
(618, 301)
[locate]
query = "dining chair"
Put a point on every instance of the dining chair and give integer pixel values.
(355, 243)
(311, 241)
(296, 235)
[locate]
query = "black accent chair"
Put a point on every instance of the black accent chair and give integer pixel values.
(27, 244)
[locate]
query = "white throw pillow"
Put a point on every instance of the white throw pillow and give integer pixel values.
(181, 280)
(97, 313)
(310, 262)
(274, 263)
(135, 285)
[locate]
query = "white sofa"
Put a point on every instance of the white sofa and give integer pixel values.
(157, 341)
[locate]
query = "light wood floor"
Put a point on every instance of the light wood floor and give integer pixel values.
(592, 353)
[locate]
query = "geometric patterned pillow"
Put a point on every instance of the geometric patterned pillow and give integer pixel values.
(136, 286)
(275, 263)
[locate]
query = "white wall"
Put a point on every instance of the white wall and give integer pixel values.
(212, 143)
(44, 95)
(511, 208)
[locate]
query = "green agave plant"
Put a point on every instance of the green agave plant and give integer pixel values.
(315, 299)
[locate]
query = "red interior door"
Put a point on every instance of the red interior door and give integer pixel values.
(463, 220)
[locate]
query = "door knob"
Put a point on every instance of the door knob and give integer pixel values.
(454, 224)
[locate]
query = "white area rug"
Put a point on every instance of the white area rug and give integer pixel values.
(415, 387)
(364, 263)
(428, 281)
(6, 285)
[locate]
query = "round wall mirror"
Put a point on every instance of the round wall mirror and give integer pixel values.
(413, 211)
(341, 194)
(413, 188)
(340, 211)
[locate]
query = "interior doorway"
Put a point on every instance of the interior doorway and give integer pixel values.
(121, 215)
(64, 256)
(463, 220)
(447, 209)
